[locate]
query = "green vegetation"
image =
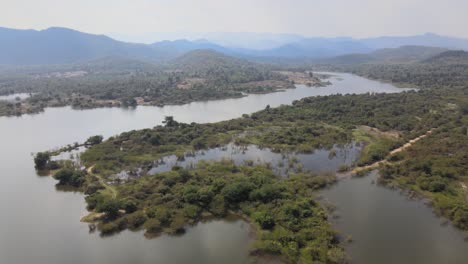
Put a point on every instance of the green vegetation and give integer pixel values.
(378, 145)
(41, 159)
(141, 148)
(70, 177)
(446, 70)
(286, 216)
(436, 166)
(94, 140)
(403, 54)
(309, 124)
(290, 223)
(198, 75)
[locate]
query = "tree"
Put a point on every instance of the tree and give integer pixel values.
(237, 192)
(155, 140)
(129, 102)
(265, 220)
(64, 176)
(130, 205)
(266, 193)
(70, 177)
(94, 140)
(110, 208)
(170, 122)
(41, 160)
(190, 194)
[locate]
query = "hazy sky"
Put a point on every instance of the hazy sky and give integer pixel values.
(356, 18)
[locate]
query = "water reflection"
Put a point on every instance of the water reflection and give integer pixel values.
(387, 227)
(15, 97)
(284, 163)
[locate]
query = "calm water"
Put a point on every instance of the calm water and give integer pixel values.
(283, 164)
(41, 225)
(388, 228)
(14, 97)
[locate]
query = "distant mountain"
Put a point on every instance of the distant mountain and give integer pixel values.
(251, 40)
(428, 39)
(231, 40)
(172, 49)
(332, 47)
(61, 45)
(449, 57)
(315, 48)
(404, 54)
(407, 53)
(67, 46)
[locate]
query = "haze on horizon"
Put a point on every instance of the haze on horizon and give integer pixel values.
(138, 20)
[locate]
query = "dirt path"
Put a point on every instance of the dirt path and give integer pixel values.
(411, 142)
(400, 149)
(108, 187)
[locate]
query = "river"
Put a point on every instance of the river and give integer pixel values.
(40, 224)
(387, 227)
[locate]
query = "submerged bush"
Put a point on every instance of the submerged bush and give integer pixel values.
(70, 177)
(41, 159)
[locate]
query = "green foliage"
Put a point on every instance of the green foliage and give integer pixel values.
(110, 207)
(136, 220)
(202, 75)
(268, 193)
(70, 177)
(170, 122)
(237, 191)
(377, 150)
(94, 140)
(435, 167)
(282, 208)
(265, 220)
(293, 224)
(130, 205)
(41, 159)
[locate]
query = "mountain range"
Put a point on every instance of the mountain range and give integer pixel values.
(63, 46)
(403, 54)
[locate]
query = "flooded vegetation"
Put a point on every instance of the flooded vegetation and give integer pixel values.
(121, 248)
(320, 160)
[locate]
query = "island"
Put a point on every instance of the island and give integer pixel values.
(417, 140)
(198, 75)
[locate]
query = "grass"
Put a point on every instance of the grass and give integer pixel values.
(376, 147)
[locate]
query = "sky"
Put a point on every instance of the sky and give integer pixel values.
(311, 18)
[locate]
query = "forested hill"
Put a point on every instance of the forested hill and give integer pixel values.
(404, 54)
(450, 57)
(173, 49)
(206, 60)
(120, 81)
(446, 69)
